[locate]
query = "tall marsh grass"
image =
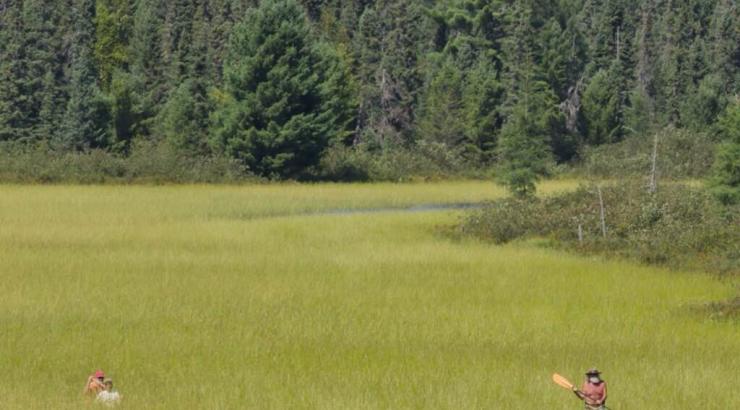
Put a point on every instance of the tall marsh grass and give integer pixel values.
(190, 298)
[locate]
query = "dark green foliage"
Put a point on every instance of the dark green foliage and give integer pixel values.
(681, 154)
(703, 103)
(282, 108)
(524, 149)
(417, 76)
(87, 119)
(184, 118)
(389, 44)
(113, 24)
(463, 100)
(14, 122)
(725, 178)
(602, 108)
(678, 226)
(123, 100)
(484, 114)
(31, 93)
(363, 163)
(524, 145)
(147, 62)
(146, 162)
(443, 118)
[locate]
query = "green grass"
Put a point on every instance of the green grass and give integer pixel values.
(189, 298)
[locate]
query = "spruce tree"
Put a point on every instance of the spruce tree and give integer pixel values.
(368, 48)
(603, 107)
(443, 111)
(524, 145)
(87, 119)
(147, 63)
(184, 118)
(113, 24)
(390, 42)
(725, 179)
(31, 89)
(484, 112)
(279, 114)
(724, 45)
(14, 120)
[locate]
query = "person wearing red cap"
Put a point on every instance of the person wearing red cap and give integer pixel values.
(593, 391)
(94, 384)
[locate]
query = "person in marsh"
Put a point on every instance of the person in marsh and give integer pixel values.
(108, 396)
(593, 391)
(94, 384)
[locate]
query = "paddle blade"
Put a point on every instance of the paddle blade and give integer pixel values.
(562, 381)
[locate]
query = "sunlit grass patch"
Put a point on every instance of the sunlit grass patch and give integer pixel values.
(187, 304)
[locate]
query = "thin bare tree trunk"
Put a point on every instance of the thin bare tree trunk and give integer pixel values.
(602, 213)
(653, 187)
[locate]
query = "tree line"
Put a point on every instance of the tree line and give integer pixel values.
(276, 84)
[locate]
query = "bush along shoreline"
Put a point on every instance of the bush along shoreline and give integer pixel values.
(146, 163)
(676, 225)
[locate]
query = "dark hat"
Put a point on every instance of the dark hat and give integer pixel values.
(593, 372)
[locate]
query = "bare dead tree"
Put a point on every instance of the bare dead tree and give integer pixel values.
(653, 185)
(602, 213)
(572, 105)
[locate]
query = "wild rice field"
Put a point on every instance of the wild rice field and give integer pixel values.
(265, 297)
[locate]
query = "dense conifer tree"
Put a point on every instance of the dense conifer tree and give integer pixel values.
(391, 41)
(524, 146)
(14, 122)
(416, 71)
(87, 120)
(113, 20)
(279, 112)
(725, 180)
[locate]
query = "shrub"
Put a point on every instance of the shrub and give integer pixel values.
(427, 160)
(678, 226)
(725, 180)
(681, 154)
(149, 162)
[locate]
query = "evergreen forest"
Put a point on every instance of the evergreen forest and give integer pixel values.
(301, 89)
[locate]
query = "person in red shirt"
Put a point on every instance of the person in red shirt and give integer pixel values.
(94, 384)
(593, 391)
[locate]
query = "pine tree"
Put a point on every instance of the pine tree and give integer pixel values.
(87, 119)
(15, 124)
(725, 180)
(279, 114)
(461, 105)
(724, 45)
(177, 38)
(484, 113)
(113, 24)
(31, 90)
(390, 45)
(443, 112)
(184, 118)
(602, 107)
(147, 64)
(123, 100)
(640, 113)
(369, 46)
(524, 145)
